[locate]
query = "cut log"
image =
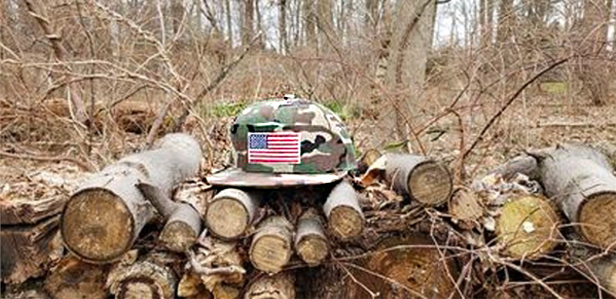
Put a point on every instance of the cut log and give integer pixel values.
(344, 216)
(105, 215)
(419, 178)
(367, 159)
(581, 182)
(30, 211)
(231, 212)
(527, 226)
(28, 250)
(310, 240)
(279, 286)
(272, 246)
(465, 208)
(183, 221)
(404, 267)
(73, 278)
(604, 270)
(150, 278)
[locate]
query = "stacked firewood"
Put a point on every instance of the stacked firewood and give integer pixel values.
(398, 229)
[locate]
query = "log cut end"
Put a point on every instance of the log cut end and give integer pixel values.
(465, 206)
(178, 236)
(597, 221)
(416, 271)
(227, 218)
(279, 286)
(527, 227)
(430, 183)
(271, 246)
(97, 225)
(142, 280)
(346, 222)
(312, 249)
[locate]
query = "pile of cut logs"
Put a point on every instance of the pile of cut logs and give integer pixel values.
(144, 227)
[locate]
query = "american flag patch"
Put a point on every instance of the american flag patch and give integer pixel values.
(274, 148)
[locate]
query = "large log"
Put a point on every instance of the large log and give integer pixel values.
(581, 181)
(403, 267)
(419, 178)
(310, 241)
(527, 226)
(279, 286)
(72, 278)
(344, 216)
(150, 278)
(28, 250)
(231, 212)
(272, 246)
(105, 215)
(183, 221)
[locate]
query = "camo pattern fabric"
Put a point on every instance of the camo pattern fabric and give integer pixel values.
(326, 147)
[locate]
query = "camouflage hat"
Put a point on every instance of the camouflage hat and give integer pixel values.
(287, 142)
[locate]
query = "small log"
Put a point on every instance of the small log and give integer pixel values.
(183, 221)
(527, 226)
(419, 178)
(28, 250)
(310, 240)
(465, 208)
(105, 215)
(72, 278)
(604, 269)
(150, 278)
(279, 286)
(344, 216)
(231, 212)
(581, 182)
(272, 246)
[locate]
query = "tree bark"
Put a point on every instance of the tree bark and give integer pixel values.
(105, 215)
(282, 26)
(310, 241)
(30, 211)
(73, 278)
(580, 180)
(272, 244)
(419, 178)
(28, 250)
(344, 216)
(310, 22)
(248, 22)
(279, 286)
(231, 212)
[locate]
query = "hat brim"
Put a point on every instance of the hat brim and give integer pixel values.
(236, 177)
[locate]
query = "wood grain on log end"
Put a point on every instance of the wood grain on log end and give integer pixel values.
(597, 219)
(142, 280)
(73, 278)
(527, 227)
(346, 222)
(97, 225)
(230, 213)
(310, 241)
(178, 236)
(430, 183)
(417, 270)
(279, 286)
(271, 246)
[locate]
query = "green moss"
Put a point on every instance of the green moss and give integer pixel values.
(220, 109)
(345, 111)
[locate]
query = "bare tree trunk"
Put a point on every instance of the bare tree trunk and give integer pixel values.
(310, 21)
(248, 22)
(229, 23)
(325, 24)
(81, 114)
(406, 70)
(282, 27)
